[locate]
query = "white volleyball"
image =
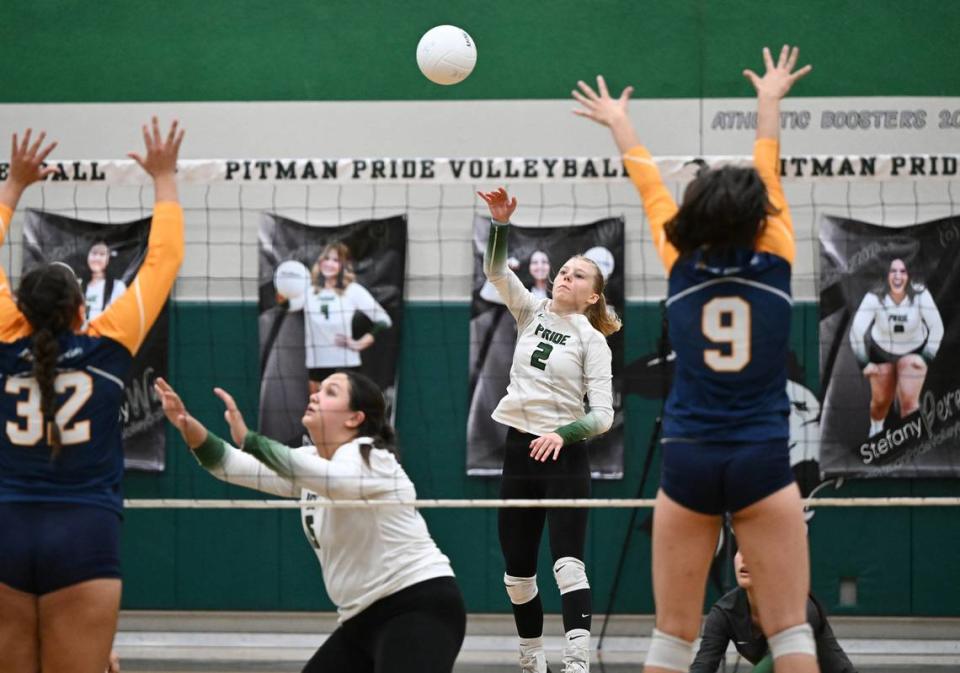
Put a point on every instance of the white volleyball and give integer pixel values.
(446, 54)
(292, 280)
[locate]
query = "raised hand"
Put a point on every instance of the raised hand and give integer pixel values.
(233, 417)
(161, 159)
(192, 430)
(162, 152)
(26, 166)
(26, 159)
(599, 105)
(500, 204)
(777, 79)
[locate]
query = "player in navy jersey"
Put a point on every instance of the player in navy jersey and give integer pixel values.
(61, 456)
(728, 251)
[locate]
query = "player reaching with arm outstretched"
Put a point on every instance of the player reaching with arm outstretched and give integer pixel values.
(61, 455)
(728, 251)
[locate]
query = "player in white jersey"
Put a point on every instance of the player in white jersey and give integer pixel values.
(399, 606)
(561, 356)
(895, 333)
(100, 288)
(331, 304)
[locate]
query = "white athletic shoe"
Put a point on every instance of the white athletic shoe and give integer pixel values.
(876, 426)
(534, 662)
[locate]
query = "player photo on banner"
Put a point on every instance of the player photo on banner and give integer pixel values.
(331, 299)
(535, 255)
(889, 366)
(106, 258)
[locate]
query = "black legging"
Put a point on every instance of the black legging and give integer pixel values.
(416, 630)
(520, 529)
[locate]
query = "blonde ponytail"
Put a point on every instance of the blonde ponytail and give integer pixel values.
(603, 318)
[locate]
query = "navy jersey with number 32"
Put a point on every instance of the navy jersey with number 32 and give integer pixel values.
(729, 325)
(89, 383)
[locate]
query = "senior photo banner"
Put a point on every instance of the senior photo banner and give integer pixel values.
(535, 255)
(106, 258)
(331, 300)
(890, 369)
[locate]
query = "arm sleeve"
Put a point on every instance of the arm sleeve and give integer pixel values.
(713, 643)
(340, 480)
(516, 297)
(598, 377)
(369, 306)
(830, 656)
(862, 320)
(657, 202)
(777, 235)
(128, 320)
(931, 316)
(233, 466)
(13, 324)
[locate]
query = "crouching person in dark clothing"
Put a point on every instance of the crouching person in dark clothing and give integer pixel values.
(734, 617)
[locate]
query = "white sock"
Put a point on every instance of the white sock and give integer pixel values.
(530, 645)
(578, 637)
(876, 426)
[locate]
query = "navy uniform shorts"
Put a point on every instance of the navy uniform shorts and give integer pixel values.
(718, 477)
(49, 546)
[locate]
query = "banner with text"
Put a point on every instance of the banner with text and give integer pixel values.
(889, 323)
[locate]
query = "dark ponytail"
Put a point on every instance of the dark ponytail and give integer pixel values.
(365, 396)
(49, 297)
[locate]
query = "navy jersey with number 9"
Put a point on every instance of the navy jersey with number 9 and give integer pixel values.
(730, 325)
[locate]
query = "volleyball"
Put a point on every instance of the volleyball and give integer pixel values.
(292, 280)
(446, 54)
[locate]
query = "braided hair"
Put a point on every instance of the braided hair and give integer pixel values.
(49, 297)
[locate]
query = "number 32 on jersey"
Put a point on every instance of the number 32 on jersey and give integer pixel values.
(28, 429)
(726, 321)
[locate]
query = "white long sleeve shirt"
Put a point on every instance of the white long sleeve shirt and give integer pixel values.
(558, 360)
(329, 314)
(365, 554)
(897, 328)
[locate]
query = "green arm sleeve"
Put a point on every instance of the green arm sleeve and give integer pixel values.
(271, 453)
(580, 429)
(495, 256)
(210, 453)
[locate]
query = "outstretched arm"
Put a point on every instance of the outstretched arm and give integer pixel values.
(659, 206)
(26, 167)
(777, 235)
(128, 320)
(517, 298)
(219, 458)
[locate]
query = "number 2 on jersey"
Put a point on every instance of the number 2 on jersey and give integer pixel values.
(539, 357)
(80, 387)
(726, 320)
